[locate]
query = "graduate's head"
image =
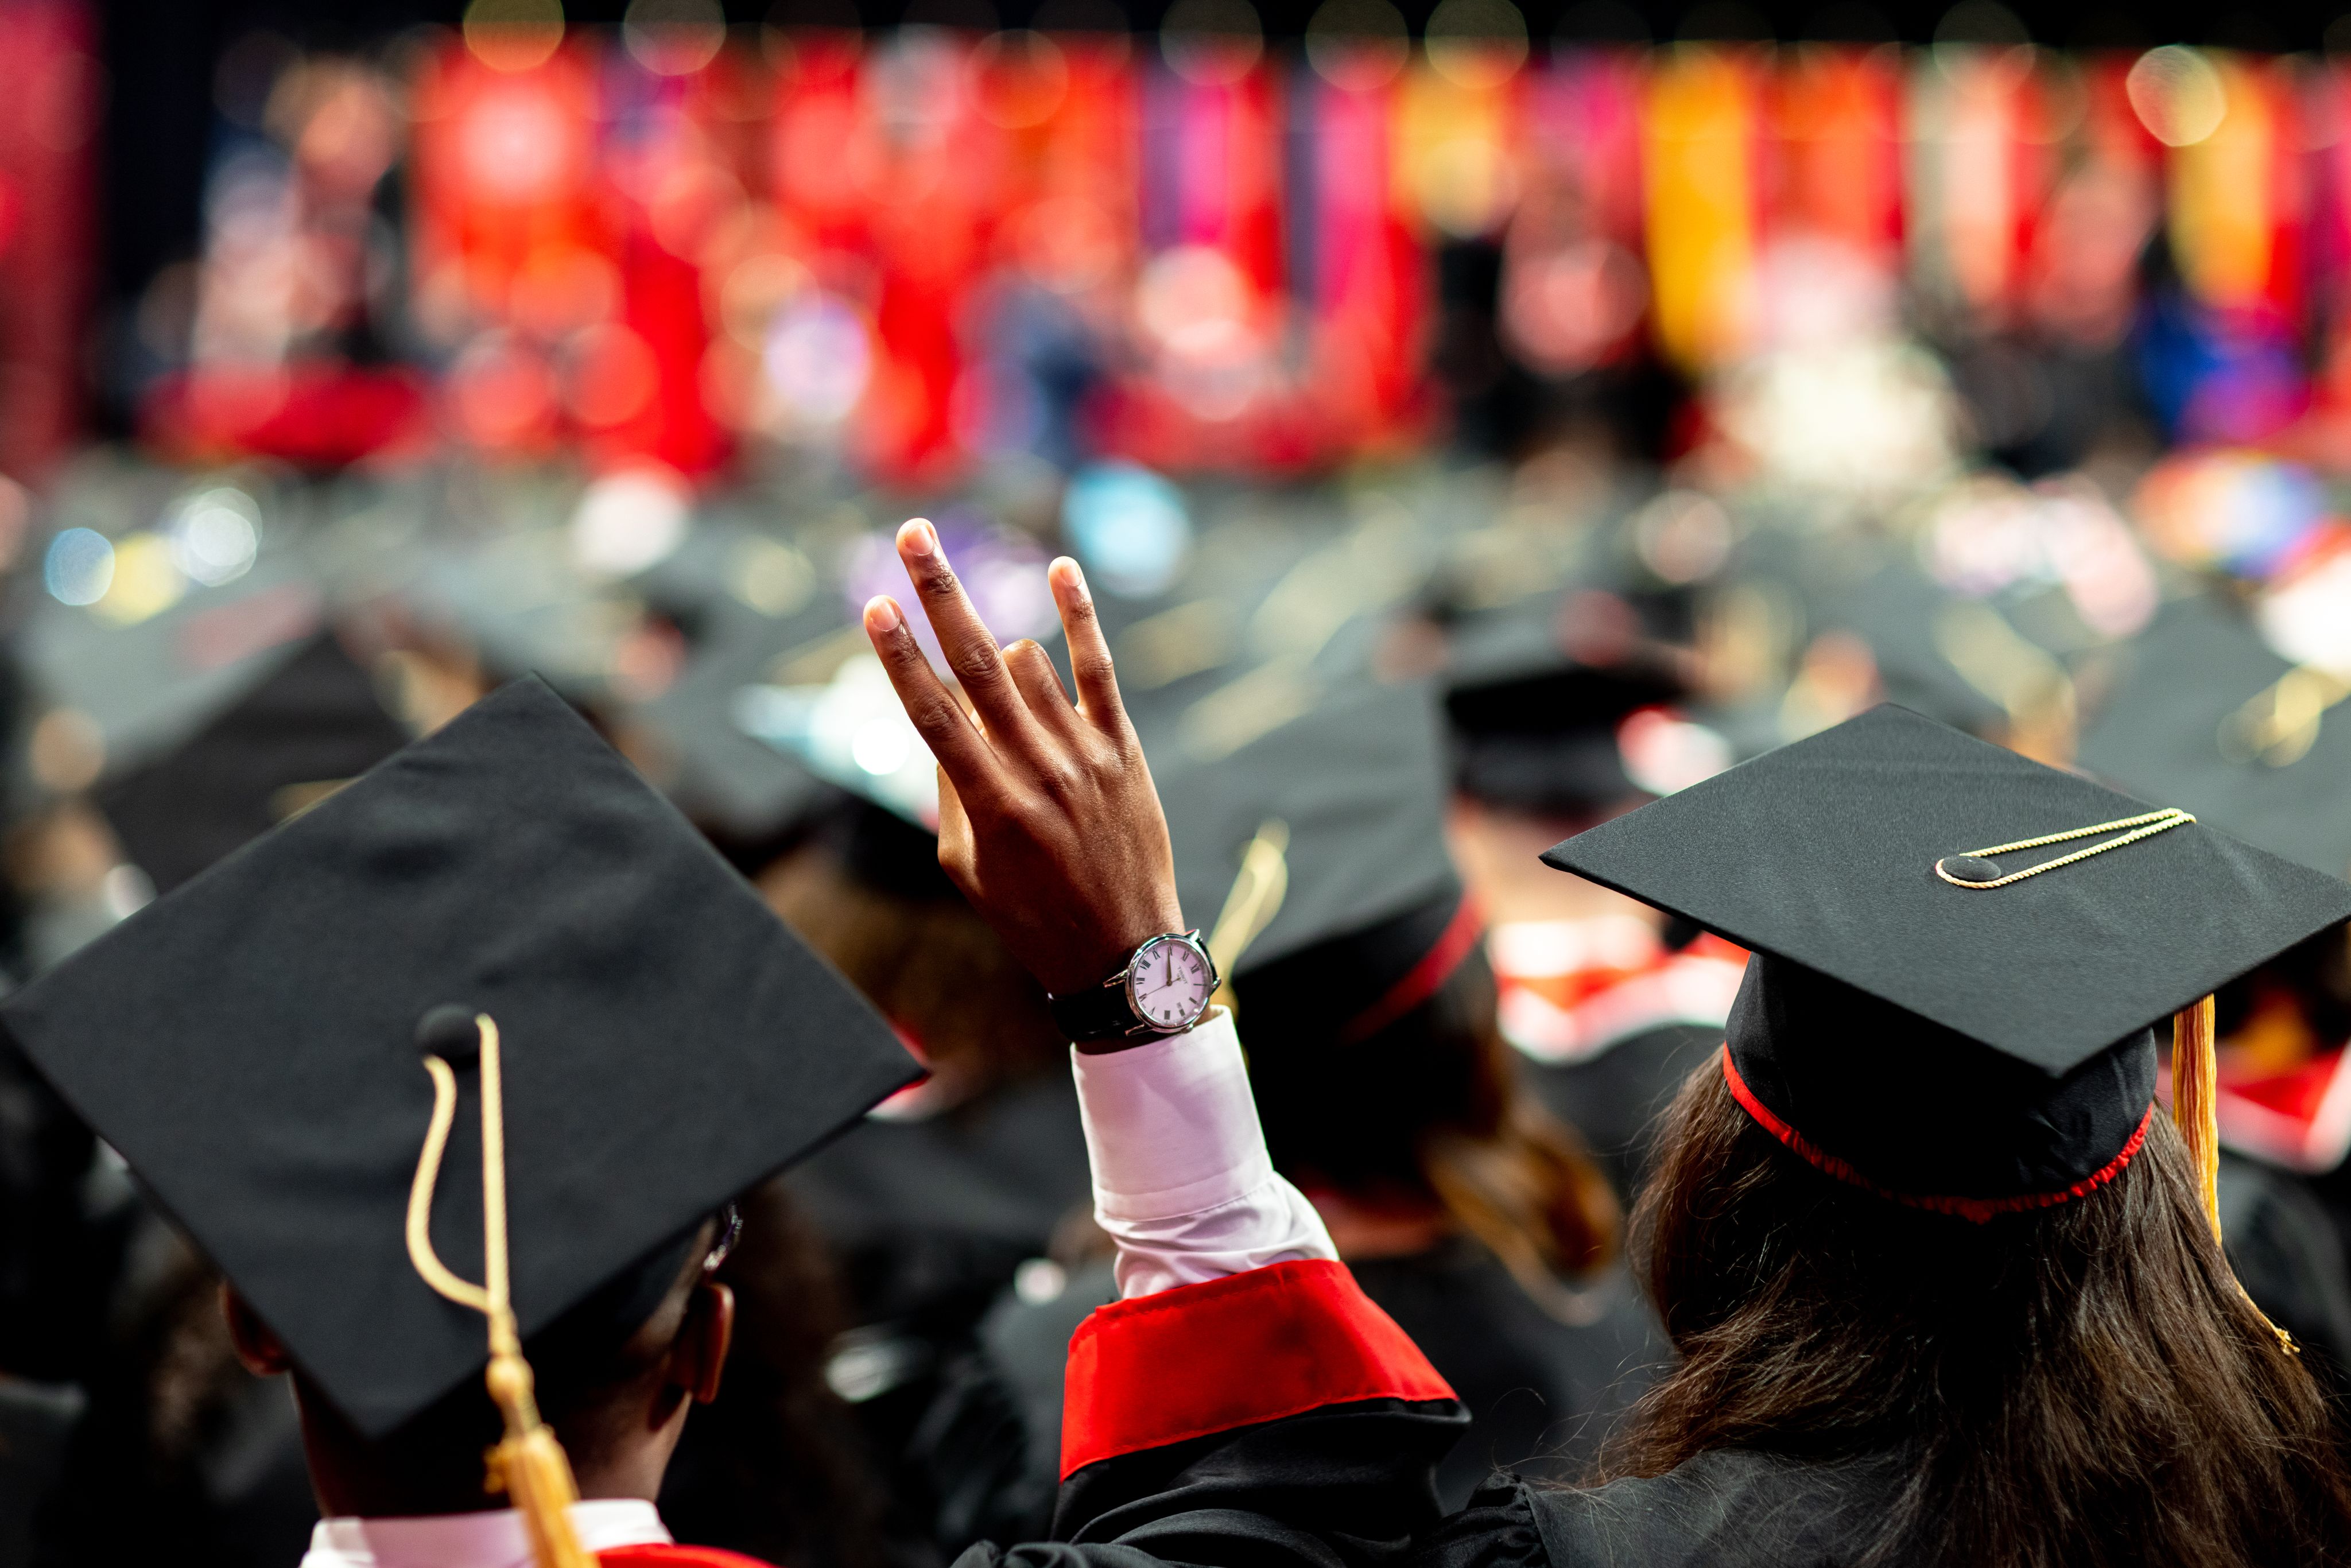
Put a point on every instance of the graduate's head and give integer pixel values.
(866, 891)
(615, 1375)
(1380, 1071)
(1925, 1202)
(460, 1063)
(2078, 1383)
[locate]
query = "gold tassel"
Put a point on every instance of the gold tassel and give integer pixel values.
(1249, 907)
(2194, 1111)
(528, 1464)
(2195, 1088)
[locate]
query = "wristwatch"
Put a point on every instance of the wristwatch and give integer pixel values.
(1164, 988)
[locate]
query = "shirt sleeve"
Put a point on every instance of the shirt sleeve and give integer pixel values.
(1182, 1181)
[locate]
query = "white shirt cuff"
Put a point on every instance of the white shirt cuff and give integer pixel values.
(1182, 1181)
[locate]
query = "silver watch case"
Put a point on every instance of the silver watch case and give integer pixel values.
(1143, 1023)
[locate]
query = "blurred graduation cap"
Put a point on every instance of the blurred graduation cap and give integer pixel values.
(662, 651)
(201, 725)
(1533, 727)
(134, 689)
(735, 783)
(1953, 658)
(311, 723)
(1314, 858)
(1958, 954)
(252, 1044)
(518, 602)
(2252, 744)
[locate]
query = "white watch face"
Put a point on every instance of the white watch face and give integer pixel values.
(1169, 983)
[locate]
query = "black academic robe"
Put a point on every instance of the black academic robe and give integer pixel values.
(1542, 1387)
(1278, 1420)
(929, 1218)
(1730, 1509)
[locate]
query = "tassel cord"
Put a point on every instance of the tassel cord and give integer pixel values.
(2194, 1111)
(528, 1464)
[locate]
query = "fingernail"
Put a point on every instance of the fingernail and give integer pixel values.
(914, 536)
(1071, 576)
(882, 614)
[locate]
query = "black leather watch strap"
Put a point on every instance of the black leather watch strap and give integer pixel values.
(1102, 1012)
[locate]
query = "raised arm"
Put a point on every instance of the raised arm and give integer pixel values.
(1245, 1401)
(1048, 823)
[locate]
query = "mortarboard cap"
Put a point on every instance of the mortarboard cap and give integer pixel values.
(249, 1043)
(743, 603)
(2253, 744)
(312, 724)
(1975, 1045)
(1314, 858)
(1545, 739)
(139, 689)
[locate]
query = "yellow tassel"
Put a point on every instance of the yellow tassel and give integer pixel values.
(2195, 1091)
(2194, 1111)
(528, 1464)
(530, 1468)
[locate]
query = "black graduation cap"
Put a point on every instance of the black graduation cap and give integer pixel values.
(311, 723)
(1926, 1011)
(2210, 716)
(1314, 858)
(250, 1043)
(1533, 727)
(746, 604)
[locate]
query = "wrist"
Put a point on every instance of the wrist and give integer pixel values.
(1163, 987)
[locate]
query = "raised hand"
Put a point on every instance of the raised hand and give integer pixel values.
(1047, 819)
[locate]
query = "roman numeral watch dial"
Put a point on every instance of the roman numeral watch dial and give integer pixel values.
(1170, 982)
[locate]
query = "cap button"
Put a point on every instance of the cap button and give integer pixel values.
(449, 1032)
(1970, 868)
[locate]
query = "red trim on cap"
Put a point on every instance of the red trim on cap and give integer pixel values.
(1979, 1209)
(1231, 1353)
(653, 1556)
(1420, 983)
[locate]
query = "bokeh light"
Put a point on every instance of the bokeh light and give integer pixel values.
(215, 536)
(79, 567)
(673, 37)
(1129, 527)
(1357, 45)
(1476, 42)
(513, 35)
(1211, 42)
(2178, 94)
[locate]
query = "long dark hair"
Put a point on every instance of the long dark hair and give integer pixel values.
(1430, 1105)
(2081, 1384)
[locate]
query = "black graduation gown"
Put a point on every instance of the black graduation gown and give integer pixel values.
(929, 1218)
(1280, 1421)
(1729, 1509)
(1276, 1419)
(1542, 1392)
